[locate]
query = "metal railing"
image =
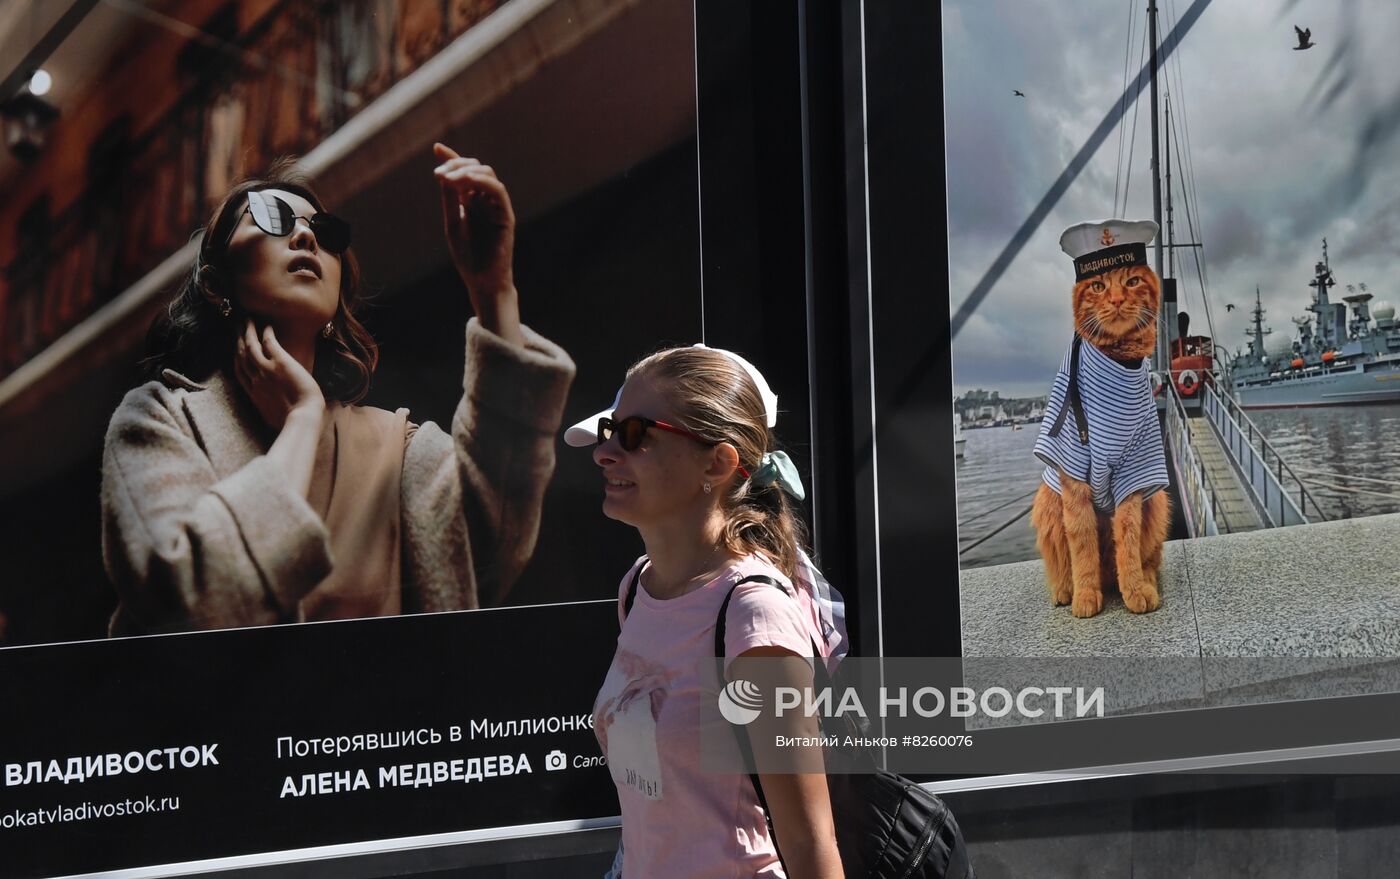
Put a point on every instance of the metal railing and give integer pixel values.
(1277, 491)
(1200, 500)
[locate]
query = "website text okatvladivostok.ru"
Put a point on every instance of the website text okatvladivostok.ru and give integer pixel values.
(86, 811)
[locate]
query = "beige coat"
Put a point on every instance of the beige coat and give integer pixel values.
(200, 530)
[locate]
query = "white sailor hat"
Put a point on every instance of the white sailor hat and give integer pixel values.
(1101, 245)
(585, 433)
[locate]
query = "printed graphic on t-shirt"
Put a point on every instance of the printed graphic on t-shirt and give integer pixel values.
(625, 720)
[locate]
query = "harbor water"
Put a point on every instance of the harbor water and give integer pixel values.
(1348, 455)
(997, 478)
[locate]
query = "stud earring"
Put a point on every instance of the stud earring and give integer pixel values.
(225, 308)
(707, 488)
(328, 330)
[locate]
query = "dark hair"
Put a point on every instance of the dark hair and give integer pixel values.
(191, 335)
(715, 399)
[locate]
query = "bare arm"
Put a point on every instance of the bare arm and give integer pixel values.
(484, 500)
(479, 224)
(799, 803)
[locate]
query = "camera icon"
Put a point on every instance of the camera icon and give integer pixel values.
(555, 760)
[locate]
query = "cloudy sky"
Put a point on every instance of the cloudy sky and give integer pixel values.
(1287, 147)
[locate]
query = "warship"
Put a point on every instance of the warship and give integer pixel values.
(1333, 359)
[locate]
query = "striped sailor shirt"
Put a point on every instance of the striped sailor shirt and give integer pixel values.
(1125, 452)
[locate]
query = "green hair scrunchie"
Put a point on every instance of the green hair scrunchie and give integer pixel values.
(778, 467)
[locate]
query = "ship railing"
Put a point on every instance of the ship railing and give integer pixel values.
(1277, 491)
(1224, 382)
(1197, 494)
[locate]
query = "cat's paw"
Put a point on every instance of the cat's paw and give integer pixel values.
(1061, 596)
(1143, 600)
(1087, 603)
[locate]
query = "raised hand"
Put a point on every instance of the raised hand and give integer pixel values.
(479, 224)
(273, 379)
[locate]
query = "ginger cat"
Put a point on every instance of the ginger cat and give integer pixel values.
(1100, 515)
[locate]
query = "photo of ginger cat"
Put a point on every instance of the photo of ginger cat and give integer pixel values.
(1100, 514)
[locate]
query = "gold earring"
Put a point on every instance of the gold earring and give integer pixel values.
(707, 488)
(225, 308)
(327, 330)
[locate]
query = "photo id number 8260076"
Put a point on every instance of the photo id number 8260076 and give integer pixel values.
(959, 741)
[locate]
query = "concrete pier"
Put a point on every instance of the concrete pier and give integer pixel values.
(1310, 611)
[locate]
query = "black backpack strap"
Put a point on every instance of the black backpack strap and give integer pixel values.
(819, 671)
(632, 589)
(724, 608)
(1072, 393)
(741, 735)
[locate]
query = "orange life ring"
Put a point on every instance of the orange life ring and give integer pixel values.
(1188, 381)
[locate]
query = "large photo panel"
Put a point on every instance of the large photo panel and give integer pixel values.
(590, 124)
(153, 515)
(1173, 358)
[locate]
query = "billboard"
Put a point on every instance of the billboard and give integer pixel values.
(168, 630)
(1260, 435)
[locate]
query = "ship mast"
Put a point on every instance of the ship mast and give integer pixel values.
(1322, 306)
(1171, 246)
(1257, 341)
(1163, 359)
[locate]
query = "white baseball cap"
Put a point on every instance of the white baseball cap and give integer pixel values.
(585, 433)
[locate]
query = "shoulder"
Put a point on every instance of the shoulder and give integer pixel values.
(372, 418)
(762, 614)
(626, 585)
(425, 445)
(764, 578)
(154, 403)
(1068, 359)
(367, 433)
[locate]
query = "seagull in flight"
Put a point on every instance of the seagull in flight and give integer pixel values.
(1229, 306)
(1303, 39)
(1019, 93)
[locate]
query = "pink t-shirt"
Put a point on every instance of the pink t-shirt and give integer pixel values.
(681, 821)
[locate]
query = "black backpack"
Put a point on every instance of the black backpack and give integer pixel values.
(887, 827)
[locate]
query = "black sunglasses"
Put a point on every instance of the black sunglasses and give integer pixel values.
(633, 428)
(275, 217)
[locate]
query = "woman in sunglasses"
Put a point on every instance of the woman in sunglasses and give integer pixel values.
(243, 486)
(689, 459)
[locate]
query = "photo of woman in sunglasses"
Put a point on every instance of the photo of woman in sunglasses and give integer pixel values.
(243, 486)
